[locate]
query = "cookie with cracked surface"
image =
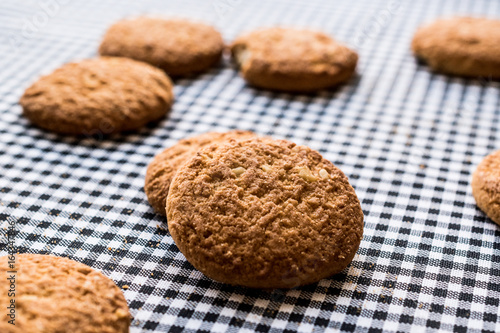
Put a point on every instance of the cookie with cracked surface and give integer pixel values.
(98, 97)
(462, 46)
(178, 46)
(162, 169)
(294, 60)
(54, 294)
(486, 186)
(264, 213)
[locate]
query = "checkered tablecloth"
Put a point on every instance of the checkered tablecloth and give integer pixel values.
(407, 139)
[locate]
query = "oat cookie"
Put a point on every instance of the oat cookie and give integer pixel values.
(295, 60)
(264, 213)
(464, 46)
(486, 186)
(98, 97)
(178, 46)
(164, 166)
(54, 294)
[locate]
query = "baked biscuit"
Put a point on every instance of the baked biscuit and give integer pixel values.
(54, 294)
(295, 60)
(463, 46)
(486, 186)
(164, 166)
(178, 46)
(264, 213)
(98, 97)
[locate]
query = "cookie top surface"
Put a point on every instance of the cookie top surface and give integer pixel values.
(54, 294)
(162, 169)
(467, 46)
(290, 53)
(98, 96)
(264, 213)
(178, 46)
(486, 186)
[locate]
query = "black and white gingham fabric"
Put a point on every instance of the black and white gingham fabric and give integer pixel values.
(408, 139)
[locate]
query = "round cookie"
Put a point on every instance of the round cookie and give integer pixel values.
(264, 213)
(98, 97)
(54, 294)
(162, 169)
(178, 46)
(295, 60)
(486, 186)
(463, 46)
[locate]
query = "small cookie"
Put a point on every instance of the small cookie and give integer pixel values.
(177, 46)
(162, 169)
(463, 46)
(486, 186)
(98, 97)
(264, 213)
(54, 294)
(290, 59)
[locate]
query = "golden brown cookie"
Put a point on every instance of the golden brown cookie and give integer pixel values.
(98, 97)
(264, 213)
(53, 294)
(463, 46)
(290, 59)
(162, 169)
(486, 186)
(178, 46)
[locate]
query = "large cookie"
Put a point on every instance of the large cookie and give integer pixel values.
(264, 213)
(162, 169)
(53, 294)
(486, 186)
(98, 97)
(178, 46)
(290, 59)
(463, 46)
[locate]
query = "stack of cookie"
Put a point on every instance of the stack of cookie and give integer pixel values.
(255, 211)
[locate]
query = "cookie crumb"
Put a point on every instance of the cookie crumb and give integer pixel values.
(266, 167)
(324, 174)
(238, 171)
(307, 175)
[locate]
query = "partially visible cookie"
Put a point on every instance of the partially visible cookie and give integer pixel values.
(162, 169)
(98, 97)
(54, 294)
(463, 46)
(264, 213)
(178, 46)
(296, 60)
(486, 186)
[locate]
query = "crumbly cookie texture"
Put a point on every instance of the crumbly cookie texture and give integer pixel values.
(98, 97)
(264, 213)
(463, 46)
(178, 46)
(486, 186)
(57, 295)
(162, 169)
(290, 59)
